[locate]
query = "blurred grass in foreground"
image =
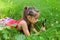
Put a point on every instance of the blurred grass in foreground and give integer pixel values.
(49, 9)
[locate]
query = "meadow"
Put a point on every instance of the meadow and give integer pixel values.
(49, 9)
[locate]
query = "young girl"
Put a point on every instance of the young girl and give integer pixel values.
(30, 17)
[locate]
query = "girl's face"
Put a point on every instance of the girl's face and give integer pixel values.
(33, 19)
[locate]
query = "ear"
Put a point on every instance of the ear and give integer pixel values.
(29, 17)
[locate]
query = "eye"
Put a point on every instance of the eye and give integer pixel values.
(36, 18)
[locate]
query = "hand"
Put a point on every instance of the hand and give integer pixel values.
(37, 33)
(43, 28)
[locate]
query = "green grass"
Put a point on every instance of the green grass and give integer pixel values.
(49, 9)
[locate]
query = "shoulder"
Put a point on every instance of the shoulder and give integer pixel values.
(22, 22)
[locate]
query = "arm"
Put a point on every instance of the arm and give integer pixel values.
(34, 29)
(25, 28)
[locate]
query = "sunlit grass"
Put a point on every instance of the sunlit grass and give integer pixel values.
(49, 9)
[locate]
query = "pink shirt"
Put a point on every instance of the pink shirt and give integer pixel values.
(9, 21)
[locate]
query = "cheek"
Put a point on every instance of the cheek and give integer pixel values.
(32, 19)
(35, 20)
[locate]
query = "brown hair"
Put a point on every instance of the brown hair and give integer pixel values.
(29, 11)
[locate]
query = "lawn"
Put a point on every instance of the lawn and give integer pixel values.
(49, 9)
